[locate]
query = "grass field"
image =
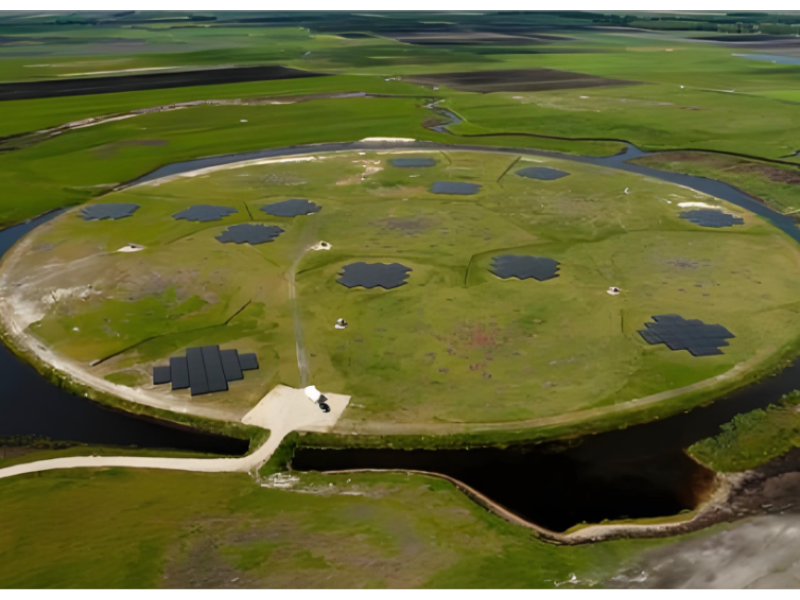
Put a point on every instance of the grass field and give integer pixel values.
(139, 529)
(82, 164)
(753, 438)
(777, 185)
(682, 99)
(455, 344)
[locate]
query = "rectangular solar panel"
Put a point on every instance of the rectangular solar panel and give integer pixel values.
(230, 365)
(214, 373)
(179, 371)
(248, 362)
(161, 375)
(197, 371)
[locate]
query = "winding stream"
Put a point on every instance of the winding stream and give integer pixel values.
(637, 472)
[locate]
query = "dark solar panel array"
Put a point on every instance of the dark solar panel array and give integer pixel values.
(231, 365)
(693, 335)
(215, 377)
(366, 275)
(295, 207)
(179, 372)
(250, 233)
(197, 371)
(708, 217)
(98, 212)
(161, 375)
(248, 361)
(204, 370)
(542, 173)
(458, 188)
(204, 213)
(409, 163)
(540, 268)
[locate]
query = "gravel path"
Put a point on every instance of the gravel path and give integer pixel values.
(281, 411)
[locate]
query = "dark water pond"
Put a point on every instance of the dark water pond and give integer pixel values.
(32, 406)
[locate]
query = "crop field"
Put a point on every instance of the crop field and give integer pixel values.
(151, 81)
(454, 343)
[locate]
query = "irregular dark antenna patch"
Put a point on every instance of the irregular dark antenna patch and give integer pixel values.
(98, 212)
(373, 275)
(693, 335)
(250, 233)
(295, 207)
(457, 188)
(542, 173)
(204, 213)
(540, 268)
(412, 163)
(708, 217)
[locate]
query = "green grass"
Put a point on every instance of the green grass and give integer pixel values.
(85, 163)
(753, 438)
(777, 185)
(125, 528)
(454, 345)
(23, 116)
(654, 117)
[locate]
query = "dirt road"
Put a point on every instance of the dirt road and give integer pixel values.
(281, 411)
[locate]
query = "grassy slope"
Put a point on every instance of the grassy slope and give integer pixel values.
(458, 342)
(124, 528)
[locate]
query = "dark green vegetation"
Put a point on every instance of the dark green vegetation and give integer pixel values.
(753, 438)
(182, 530)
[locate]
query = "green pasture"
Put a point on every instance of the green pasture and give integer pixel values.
(141, 529)
(455, 343)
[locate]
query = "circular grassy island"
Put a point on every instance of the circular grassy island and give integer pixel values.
(478, 300)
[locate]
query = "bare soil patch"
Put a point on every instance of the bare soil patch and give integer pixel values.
(152, 81)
